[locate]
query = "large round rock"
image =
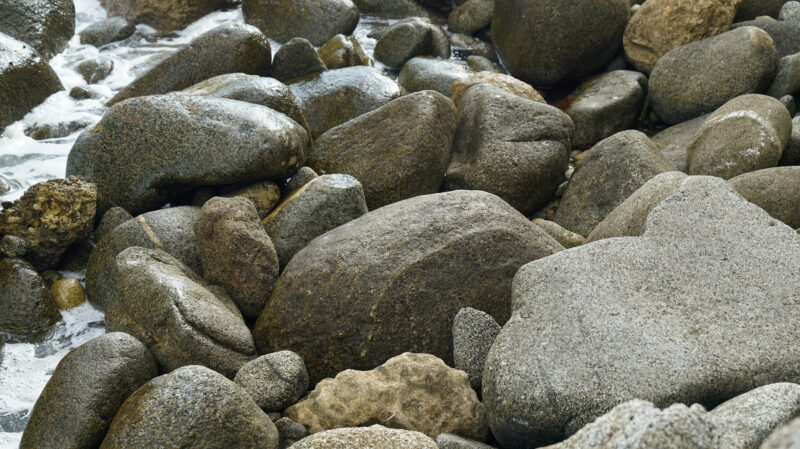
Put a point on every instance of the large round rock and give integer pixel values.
(25, 301)
(147, 150)
(340, 300)
(86, 390)
(545, 41)
(191, 407)
(46, 25)
(315, 20)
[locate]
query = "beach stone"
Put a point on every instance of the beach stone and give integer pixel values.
(315, 208)
(296, 58)
(26, 80)
(629, 217)
(51, 216)
(13, 246)
(336, 96)
(788, 101)
(791, 154)
(290, 432)
(372, 437)
(25, 301)
(403, 393)
(471, 16)
(790, 11)
(510, 146)
(87, 388)
(424, 73)
(315, 20)
(785, 437)
(784, 34)
(95, 70)
(543, 351)
(106, 31)
(473, 334)
(67, 293)
(207, 140)
(697, 78)
(567, 239)
(420, 260)
(751, 9)
(274, 381)
(181, 318)
(343, 51)
(170, 230)
(745, 134)
(236, 253)
(191, 407)
(111, 219)
(407, 38)
(45, 25)
(502, 81)
(610, 172)
(662, 25)
(542, 48)
(397, 151)
(787, 78)
(163, 15)
(301, 178)
(776, 190)
(228, 48)
(450, 441)
(673, 141)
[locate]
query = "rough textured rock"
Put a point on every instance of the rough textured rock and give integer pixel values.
(51, 216)
(567, 239)
(471, 16)
(791, 154)
(274, 381)
(315, 208)
(787, 77)
(265, 196)
(229, 48)
(25, 80)
(105, 31)
(500, 80)
(170, 230)
(606, 105)
(405, 392)
(776, 190)
(236, 253)
(473, 334)
(661, 25)
(717, 272)
(697, 78)
(111, 219)
(315, 20)
(13, 246)
(785, 35)
(45, 25)
(67, 293)
(343, 51)
(295, 59)
(424, 73)
(182, 319)
(420, 260)
(790, 11)
(785, 437)
(163, 15)
(543, 48)
(301, 178)
(610, 172)
(373, 437)
(515, 148)
(397, 151)
(87, 388)
(290, 432)
(206, 140)
(629, 217)
(745, 134)
(25, 301)
(191, 407)
(674, 140)
(450, 441)
(403, 40)
(750, 9)
(336, 96)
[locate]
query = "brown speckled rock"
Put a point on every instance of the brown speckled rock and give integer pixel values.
(373, 437)
(25, 301)
(67, 293)
(343, 51)
(500, 80)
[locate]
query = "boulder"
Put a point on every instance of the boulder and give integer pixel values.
(336, 96)
(473, 334)
(343, 51)
(373, 437)
(471, 16)
(315, 208)
(662, 25)
(207, 141)
(295, 59)
(236, 253)
(111, 219)
(510, 146)
(315, 20)
(25, 301)
(191, 407)
(420, 261)
(106, 31)
(424, 73)
(397, 151)
(290, 432)
(542, 48)
(274, 381)
(791, 153)
(301, 178)
(610, 172)
(228, 48)
(45, 25)
(405, 392)
(182, 319)
(787, 77)
(745, 134)
(163, 15)
(87, 388)
(697, 78)
(673, 141)
(407, 38)
(776, 190)
(790, 11)
(785, 34)
(25, 80)
(500, 80)
(716, 271)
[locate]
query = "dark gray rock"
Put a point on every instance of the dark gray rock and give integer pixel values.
(94, 70)
(450, 441)
(403, 40)
(182, 319)
(25, 301)
(106, 31)
(82, 93)
(776, 190)
(473, 334)
(673, 141)
(343, 51)
(393, 9)
(787, 78)
(697, 78)
(785, 35)
(315, 208)
(750, 9)
(471, 16)
(420, 261)
(510, 146)
(466, 46)
(87, 388)
(583, 337)
(274, 381)
(315, 20)
(301, 178)
(423, 73)
(789, 102)
(191, 407)
(295, 59)
(482, 64)
(229, 48)
(45, 25)
(111, 219)
(207, 141)
(290, 432)
(163, 15)
(791, 154)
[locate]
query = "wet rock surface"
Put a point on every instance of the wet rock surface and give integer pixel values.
(45, 25)
(25, 301)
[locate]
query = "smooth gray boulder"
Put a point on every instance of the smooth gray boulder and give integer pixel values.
(673, 141)
(694, 310)
(787, 77)
(315, 20)
(295, 59)
(785, 34)
(45, 25)
(274, 381)
(425, 73)
(415, 36)
(776, 190)
(785, 437)
(471, 16)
